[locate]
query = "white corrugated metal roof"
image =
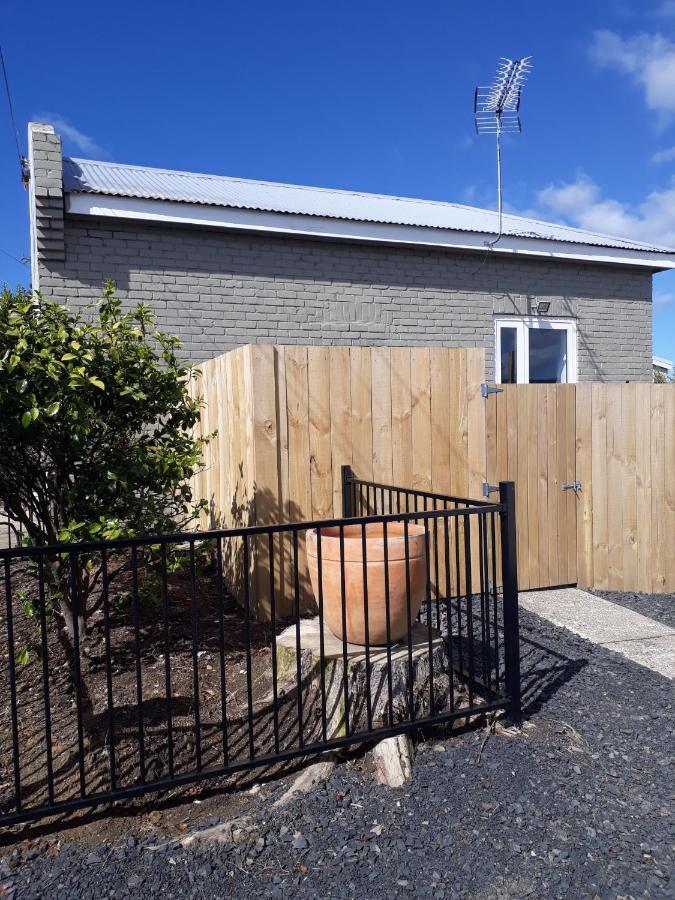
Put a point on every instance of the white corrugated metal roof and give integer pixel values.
(86, 176)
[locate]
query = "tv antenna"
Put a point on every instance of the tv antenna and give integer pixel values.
(496, 109)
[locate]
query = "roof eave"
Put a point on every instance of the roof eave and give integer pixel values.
(290, 224)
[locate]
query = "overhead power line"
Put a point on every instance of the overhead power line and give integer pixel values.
(22, 160)
(24, 262)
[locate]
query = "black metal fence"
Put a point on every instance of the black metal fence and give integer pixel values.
(135, 665)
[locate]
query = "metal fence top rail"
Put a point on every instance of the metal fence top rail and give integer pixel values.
(430, 495)
(192, 537)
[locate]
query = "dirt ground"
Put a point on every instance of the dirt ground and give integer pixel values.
(101, 742)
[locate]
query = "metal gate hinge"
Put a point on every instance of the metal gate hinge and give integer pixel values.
(489, 489)
(487, 389)
(572, 486)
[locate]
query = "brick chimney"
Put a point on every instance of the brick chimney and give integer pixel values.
(45, 160)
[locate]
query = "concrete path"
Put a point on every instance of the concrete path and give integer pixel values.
(639, 638)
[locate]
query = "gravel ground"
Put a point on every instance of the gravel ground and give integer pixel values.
(660, 607)
(577, 805)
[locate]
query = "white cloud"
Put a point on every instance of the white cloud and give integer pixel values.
(73, 135)
(664, 299)
(582, 204)
(648, 58)
(569, 199)
(469, 193)
(662, 156)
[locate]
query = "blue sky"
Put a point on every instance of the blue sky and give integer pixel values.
(373, 95)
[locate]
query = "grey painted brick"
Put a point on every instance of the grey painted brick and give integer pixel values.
(47, 191)
(220, 290)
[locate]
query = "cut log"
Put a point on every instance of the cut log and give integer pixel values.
(393, 758)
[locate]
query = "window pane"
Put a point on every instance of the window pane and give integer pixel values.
(548, 349)
(507, 348)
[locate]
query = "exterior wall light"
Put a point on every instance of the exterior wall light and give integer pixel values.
(543, 307)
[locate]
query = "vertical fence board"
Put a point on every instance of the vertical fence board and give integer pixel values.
(215, 470)
(599, 468)
(420, 384)
(522, 487)
(299, 486)
(584, 430)
(570, 501)
(297, 390)
(542, 436)
(261, 362)
(532, 445)
(556, 549)
(381, 406)
(224, 430)
(286, 552)
(321, 472)
(401, 416)
(459, 438)
(340, 420)
(247, 435)
(362, 416)
(669, 495)
(658, 466)
(643, 478)
(440, 454)
(628, 571)
(615, 486)
(440, 421)
(475, 405)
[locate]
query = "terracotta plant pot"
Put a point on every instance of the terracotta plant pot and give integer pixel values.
(354, 580)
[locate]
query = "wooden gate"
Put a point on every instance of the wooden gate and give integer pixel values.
(530, 438)
(618, 442)
(626, 465)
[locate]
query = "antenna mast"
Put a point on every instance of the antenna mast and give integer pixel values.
(496, 110)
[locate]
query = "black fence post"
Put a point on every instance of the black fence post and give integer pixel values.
(507, 498)
(347, 497)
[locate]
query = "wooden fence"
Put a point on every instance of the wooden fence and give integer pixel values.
(288, 418)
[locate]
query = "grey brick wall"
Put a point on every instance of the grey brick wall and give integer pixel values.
(219, 290)
(46, 192)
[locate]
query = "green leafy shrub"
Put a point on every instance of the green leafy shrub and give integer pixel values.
(96, 431)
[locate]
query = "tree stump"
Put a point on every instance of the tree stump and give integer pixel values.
(420, 678)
